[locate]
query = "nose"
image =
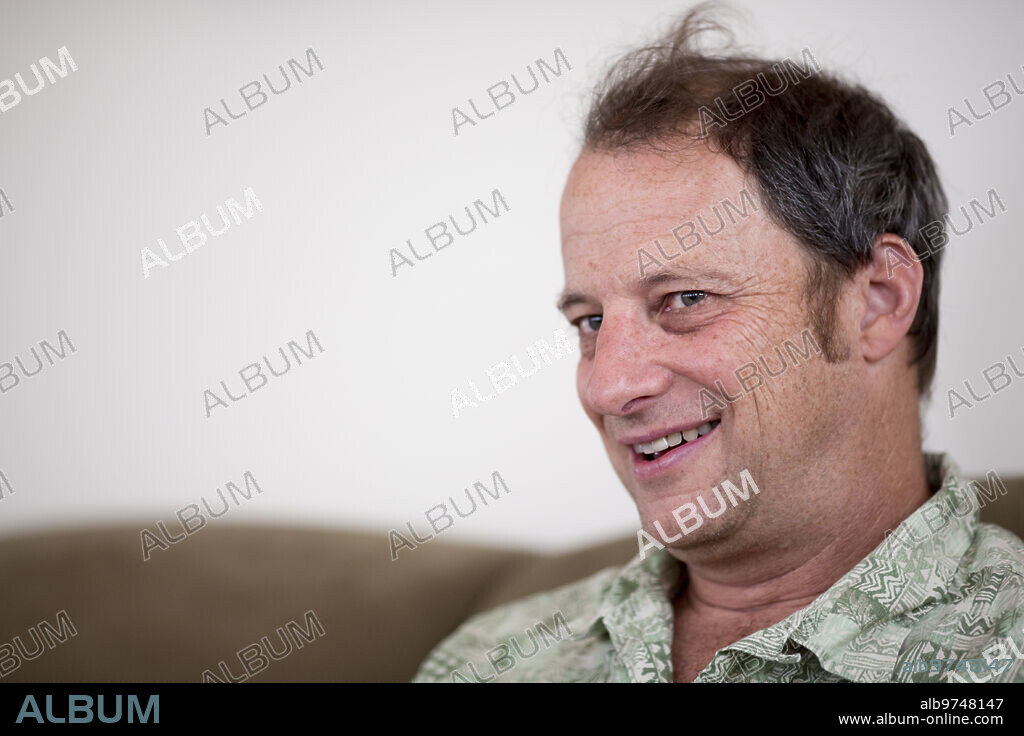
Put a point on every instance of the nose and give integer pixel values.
(624, 375)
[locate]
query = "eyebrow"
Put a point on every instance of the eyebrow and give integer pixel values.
(571, 298)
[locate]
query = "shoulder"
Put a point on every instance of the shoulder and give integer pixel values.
(993, 583)
(979, 622)
(991, 575)
(491, 644)
(997, 547)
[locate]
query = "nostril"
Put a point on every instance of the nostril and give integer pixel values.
(633, 404)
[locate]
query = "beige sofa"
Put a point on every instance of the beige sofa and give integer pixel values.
(214, 596)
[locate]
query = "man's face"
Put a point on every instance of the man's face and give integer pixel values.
(659, 352)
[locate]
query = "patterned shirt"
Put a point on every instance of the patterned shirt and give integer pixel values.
(940, 599)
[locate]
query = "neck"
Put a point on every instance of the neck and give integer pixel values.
(772, 569)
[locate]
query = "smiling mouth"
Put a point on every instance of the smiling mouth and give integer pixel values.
(654, 449)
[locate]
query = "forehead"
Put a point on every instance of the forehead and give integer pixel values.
(603, 186)
(616, 203)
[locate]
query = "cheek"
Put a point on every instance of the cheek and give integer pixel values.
(707, 363)
(785, 402)
(714, 367)
(736, 363)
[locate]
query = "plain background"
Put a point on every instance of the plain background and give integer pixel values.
(348, 165)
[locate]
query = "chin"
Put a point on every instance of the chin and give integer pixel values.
(703, 511)
(688, 537)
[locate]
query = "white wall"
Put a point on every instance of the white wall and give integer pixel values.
(348, 165)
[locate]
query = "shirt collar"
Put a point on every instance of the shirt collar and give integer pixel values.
(644, 582)
(635, 612)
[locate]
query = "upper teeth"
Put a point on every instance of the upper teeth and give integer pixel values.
(671, 440)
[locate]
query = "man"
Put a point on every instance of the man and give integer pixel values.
(758, 313)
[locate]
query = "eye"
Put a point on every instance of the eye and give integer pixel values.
(681, 299)
(588, 325)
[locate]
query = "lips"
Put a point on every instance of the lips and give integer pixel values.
(652, 447)
(658, 464)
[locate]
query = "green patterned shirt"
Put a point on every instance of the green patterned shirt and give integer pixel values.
(940, 599)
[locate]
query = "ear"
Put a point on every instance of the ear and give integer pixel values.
(890, 289)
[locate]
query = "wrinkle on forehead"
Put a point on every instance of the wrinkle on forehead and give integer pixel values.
(628, 196)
